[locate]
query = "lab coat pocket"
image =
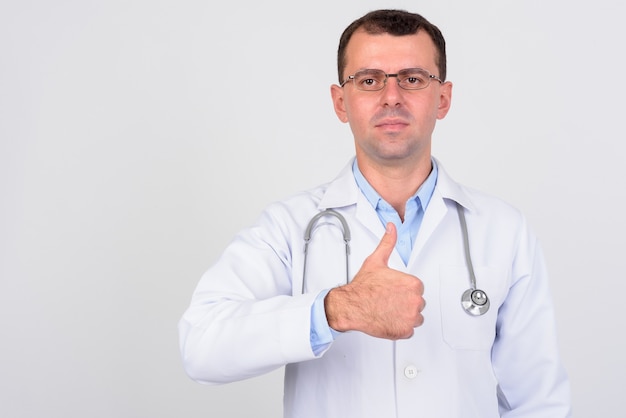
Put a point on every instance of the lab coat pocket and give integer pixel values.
(461, 330)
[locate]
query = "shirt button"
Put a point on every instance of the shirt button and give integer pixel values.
(410, 372)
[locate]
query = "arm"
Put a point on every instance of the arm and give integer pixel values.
(532, 381)
(242, 320)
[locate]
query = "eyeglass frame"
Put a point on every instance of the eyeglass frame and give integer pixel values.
(396, 75)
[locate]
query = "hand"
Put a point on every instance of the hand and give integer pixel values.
(379, 301)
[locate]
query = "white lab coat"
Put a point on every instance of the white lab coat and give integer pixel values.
(248, 316)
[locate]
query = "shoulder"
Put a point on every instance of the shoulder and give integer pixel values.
(486, 204)
(339, 192)
(294, 211)
(477, 202)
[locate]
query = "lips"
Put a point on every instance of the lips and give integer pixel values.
(391, 123)
(389, 118)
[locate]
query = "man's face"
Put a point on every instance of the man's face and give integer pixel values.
(393, 124)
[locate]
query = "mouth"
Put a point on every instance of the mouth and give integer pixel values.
(392, 124)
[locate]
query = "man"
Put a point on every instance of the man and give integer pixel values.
(368, 345)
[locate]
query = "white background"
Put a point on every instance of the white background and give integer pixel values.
(137, 137)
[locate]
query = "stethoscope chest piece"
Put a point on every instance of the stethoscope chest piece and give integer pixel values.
(475, 302)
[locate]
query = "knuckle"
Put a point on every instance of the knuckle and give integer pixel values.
(409, 333)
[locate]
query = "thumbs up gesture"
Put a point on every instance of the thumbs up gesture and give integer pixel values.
(379, 301)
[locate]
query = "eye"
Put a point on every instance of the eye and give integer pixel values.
(369, 79)
(413, 79)
(368, 82)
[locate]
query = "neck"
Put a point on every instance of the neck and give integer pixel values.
(396, 183)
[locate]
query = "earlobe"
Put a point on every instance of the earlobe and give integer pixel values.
(336, 93)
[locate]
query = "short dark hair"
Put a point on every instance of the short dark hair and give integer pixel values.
(397, 23)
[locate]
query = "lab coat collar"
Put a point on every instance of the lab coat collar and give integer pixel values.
(451, 190)
(343, 191)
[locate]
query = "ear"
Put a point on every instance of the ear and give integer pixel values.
(339, 104)
(445, 99)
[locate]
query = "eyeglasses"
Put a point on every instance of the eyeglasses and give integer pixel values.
(375, 80)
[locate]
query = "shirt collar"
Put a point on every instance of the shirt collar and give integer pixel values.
(422, 196)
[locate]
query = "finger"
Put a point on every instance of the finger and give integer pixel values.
(420, 317)
(386, 245)
(419, 321)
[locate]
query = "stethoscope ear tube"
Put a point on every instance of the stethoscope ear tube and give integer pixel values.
(474, 301)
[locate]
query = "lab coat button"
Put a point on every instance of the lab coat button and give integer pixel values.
(410, 372)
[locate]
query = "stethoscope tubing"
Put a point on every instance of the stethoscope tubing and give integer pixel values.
(346, 239)
(474, 301)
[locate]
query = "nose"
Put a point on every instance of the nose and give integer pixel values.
(392, 92)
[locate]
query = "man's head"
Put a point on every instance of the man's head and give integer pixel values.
(397, 23)
(392, 88)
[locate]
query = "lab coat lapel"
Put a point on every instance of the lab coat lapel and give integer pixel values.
(343, 192)
(445, 190)
(433, 216)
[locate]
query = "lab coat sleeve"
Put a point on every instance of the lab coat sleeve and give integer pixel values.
(243, 320)
(532, 380)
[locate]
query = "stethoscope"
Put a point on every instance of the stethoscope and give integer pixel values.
(474, 301)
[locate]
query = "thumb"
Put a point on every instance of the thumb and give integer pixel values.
(386, 245)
